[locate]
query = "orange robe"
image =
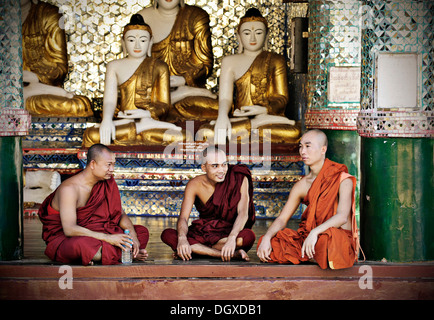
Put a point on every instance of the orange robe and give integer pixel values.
(336, 247)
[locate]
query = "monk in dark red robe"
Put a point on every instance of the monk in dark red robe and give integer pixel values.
(223, 196)
(327, 233)
(90, 227)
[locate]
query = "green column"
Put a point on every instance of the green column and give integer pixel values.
(14, 123)
(11, 198)
(344, 147)
(397, 202)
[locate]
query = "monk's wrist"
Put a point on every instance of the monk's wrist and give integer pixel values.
(314, 232)
(266, 237)
(232, 237)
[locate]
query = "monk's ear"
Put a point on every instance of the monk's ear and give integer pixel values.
(203, 167)
(323, 149)
(92, 164)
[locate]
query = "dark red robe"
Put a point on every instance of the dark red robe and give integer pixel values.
(218, 215)
(336, 247)
(101, 213)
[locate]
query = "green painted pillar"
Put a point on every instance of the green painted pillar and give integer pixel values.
(11, 198)
(344, 147)
(397, 202)
(14, 123)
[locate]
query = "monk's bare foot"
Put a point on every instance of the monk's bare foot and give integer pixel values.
(142, 255)
(97, 257)
(241, 254)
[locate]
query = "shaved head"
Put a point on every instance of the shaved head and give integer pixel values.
(209, 154)
(96, 150)
(319, 136)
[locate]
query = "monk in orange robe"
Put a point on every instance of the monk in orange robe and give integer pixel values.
(327, 233)
(83, 220)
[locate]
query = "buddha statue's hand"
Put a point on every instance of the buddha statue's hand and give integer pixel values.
(134, 114)
(149, 123)
(176, 81)
(249, 111)
(222, 129)
(266, 119)
(186, 91)
(29, 76)
(38, 88)
(107, 131)
(35, 88)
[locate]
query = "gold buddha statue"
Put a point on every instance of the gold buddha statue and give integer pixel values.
(261, 89)
(143, 83)
(45, 64)
(182, 39)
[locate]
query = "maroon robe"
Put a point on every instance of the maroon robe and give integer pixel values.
(218, 215)
(101, 213)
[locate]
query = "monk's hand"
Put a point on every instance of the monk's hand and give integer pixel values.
(309, 245)
(264, 250)
(184, 249)
(120, 240)
(228, 249)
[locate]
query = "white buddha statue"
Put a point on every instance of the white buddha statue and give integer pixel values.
(143, 82)
(261, 90)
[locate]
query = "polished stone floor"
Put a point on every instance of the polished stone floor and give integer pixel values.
(159, 253)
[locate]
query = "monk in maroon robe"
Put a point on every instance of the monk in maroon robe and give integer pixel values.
(83, 219)
(327, 233)
(223, 196)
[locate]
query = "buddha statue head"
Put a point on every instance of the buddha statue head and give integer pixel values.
(252, 32)
(137, 38)
(168, 4)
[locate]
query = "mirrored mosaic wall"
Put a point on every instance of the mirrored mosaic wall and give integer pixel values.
(11, 67)
(398, 26)
(334, 41)
(94, 32)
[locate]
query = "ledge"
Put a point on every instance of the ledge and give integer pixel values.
(217, 281)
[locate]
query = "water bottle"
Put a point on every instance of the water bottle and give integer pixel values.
(127, 255)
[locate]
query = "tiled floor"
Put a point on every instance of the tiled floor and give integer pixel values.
(159, 253)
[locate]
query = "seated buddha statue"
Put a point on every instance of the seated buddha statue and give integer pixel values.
(182, 39)
(261, 89)
(143, 83)
(45, 64)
